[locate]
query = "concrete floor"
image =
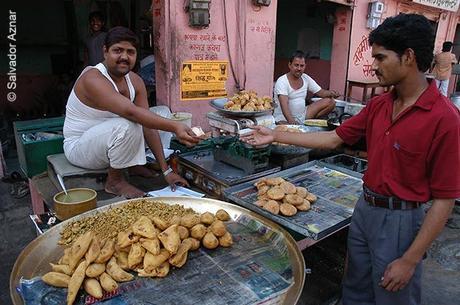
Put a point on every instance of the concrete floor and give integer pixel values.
(441, 279)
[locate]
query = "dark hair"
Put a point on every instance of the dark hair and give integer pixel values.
(118, 34)
(447, 46)
(297, 54)
(96, 15)
(405, 31)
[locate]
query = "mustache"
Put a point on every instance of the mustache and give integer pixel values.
(123, 61)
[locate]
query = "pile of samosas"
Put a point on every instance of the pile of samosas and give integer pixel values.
(279, 196)
(248, 101)
(149, 247)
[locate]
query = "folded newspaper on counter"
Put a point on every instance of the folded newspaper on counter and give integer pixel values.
(255, 270)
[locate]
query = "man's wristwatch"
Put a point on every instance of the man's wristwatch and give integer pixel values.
(168, 171)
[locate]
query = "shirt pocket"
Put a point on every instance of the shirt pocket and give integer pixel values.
(409, 165)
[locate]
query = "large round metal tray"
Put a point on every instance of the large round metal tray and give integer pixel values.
(220, 102)
(292, 149)
(35, 258)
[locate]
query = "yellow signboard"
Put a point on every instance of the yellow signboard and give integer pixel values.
(203, 79)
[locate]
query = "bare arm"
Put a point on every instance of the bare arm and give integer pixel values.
(97, 92)
(432, 226)
(327, 93)
(399, 272)
(284, 104)
(262, 135)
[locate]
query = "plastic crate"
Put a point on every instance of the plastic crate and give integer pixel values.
(35, 140)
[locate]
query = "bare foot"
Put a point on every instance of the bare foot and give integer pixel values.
(123, 188)
(140, 170)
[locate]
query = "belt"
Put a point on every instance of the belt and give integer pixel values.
(392, 203)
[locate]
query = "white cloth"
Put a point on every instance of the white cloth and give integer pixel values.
(442, 85)
(97, 139)
(296, 98)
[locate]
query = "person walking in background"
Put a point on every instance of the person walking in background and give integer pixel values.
(95, 42)
(443, 67)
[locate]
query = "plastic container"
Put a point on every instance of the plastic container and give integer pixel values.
(75, 202)
(183, 117)
(35, 140)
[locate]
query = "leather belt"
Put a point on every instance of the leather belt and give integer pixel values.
(392, 203)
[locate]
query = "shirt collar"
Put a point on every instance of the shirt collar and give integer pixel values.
(427, 99)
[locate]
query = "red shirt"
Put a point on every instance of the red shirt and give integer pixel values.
(416, 157)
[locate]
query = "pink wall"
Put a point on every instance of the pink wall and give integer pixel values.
(251, 39)
(340, 49)
(360, 57)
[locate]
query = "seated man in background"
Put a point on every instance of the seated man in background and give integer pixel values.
(291, 91)
(108, 119)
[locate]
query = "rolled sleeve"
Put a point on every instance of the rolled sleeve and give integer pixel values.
(354, 128)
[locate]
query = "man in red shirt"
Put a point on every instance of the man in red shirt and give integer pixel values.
(413, 145)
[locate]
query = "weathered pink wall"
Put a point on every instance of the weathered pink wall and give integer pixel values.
(360, 57)
(251, 39)
(340, 49)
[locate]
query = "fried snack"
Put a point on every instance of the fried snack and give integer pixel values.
(293, 199)
(136, 255)
(226, 240)
(222, 215)
(311, 197)
(93, 250)
(210, 241)
(153, 261)
(207, 218)
(260, 203)
(175, 220)
(93, 288)
(190, 220)
(274, 181)
(263, 189)
(75, 282)
(160, 223)
(79, 248)
(107, 282)
(179, 259)
(287, 209)
(248, 101)
(183, 232)
(151, 245)
(305, 206)
(301, 191)
(163, 269)
(288, 187)
(106, 252)
(56, 279)
(272, 206)
(61, 269)
(64, 260)
(217, 228)
(126, 238)
(170, 239)
(144, 227)
(122, 259)
(275, 193)
(195, 243)
(94, 270)
(116, 272)
(198, 231)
